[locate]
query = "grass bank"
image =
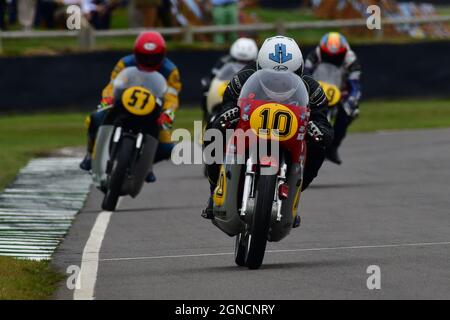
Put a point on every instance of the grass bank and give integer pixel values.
(26, 280)
(22, 137)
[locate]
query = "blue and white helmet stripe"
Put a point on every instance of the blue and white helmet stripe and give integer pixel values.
(280, 53)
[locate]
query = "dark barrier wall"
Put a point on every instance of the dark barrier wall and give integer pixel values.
(76, 80)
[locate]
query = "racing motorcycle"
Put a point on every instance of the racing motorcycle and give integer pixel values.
(258, 193)
(218, 85)
(330, 79)
(128, 138)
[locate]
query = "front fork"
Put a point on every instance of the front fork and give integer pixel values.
(115, 142)
(281, 181)
(249, 187)
(248, 197)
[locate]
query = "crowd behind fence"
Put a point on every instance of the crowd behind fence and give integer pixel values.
(87, 35)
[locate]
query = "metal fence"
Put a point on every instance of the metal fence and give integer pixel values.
(87, 35)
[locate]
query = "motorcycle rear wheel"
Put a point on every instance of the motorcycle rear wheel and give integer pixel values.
(118, 174)
(259, 228)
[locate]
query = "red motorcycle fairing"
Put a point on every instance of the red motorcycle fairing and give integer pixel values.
(294, 139)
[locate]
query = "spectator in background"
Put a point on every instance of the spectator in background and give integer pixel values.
(26, 13)
(8, 13)
(12, 11)
(98, 13)
(224, 12)
(45, 13)
(135, 18)
(165, 13)
(2, 14)
(149, 10)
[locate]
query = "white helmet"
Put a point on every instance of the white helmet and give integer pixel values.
(280, 53)
(244, 49)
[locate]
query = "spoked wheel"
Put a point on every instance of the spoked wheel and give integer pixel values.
(259, 229)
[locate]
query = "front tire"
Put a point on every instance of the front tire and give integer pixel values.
(118, 174)
(259, 229)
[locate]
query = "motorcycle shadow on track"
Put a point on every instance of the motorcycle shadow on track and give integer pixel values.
(344, 185)
(299, 265)
(159, 208)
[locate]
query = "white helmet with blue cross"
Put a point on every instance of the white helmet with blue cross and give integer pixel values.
(280, 53)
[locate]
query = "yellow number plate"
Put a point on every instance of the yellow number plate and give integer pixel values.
(138, 101)
(332, 92)
(274, 121)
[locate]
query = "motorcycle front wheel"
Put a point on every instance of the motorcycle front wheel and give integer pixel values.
(121, 163)
(256, 239)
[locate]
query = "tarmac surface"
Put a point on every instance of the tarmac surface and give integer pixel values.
(387, 206)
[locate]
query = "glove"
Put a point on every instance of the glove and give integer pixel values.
(350, 107)
(314, 132)
(106, 102)
(165, 120)
(226, 119)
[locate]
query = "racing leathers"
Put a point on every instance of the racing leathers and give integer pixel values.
(170, 104)
(348, 109)
(319, 129)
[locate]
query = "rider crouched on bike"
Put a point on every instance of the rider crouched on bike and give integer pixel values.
(243, 50)
(279, 53)
(149, 55)
(334, 49)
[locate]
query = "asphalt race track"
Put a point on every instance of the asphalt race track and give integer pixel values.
(388, 205)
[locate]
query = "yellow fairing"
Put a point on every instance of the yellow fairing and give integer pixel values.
(296, 201)
(222, 87)
(87, 121)
(221, 189)
(332, 92)
(215, 93)
(274, 121)
(138, 101)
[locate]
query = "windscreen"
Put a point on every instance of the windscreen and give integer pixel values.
(328, 73)
(132, 76)
(227, 72)
(276, 86)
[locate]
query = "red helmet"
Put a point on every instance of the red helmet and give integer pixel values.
(149, 50)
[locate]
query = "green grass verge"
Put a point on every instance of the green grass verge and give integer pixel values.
(22, 137)
(26, 280)
(400, 115)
